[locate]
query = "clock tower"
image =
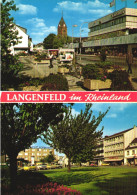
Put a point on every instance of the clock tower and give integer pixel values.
(62, 28)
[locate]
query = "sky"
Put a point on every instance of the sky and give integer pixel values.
(120, 117)
(41, 17)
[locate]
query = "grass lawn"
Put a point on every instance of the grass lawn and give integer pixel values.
(97, 180)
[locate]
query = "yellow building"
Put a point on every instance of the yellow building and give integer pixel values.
(34, 155)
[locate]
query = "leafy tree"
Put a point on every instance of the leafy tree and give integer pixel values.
(60, 41)
(49, 158)
(76, 136)
(21, 126)
(48, 41)
(9, 37)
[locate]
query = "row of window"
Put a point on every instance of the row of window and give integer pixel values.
(130, 152)
(108, 24)
(117, 152)
(118, 145)
(114, 139)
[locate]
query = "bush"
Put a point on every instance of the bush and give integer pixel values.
(92, 71)
(41, 56)
(120, 81)
(55, 83)
(104, 65)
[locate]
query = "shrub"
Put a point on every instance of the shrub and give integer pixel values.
(48, 188)
(41, 56)
(92, 71)
(55, 83)
(120, 81)
(104, 65)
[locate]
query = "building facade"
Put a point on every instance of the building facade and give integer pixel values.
(117, 30)
(62, 28)
(118, 149)
(34, 155)
(25, 42)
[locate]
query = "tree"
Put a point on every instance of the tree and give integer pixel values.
(9, 36)
(49, 158)
(21, 126)
(76, 136)
(60, 41)
(48, 41)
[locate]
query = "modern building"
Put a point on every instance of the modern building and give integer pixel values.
(118, 149)
(34, 155)
(117, 31)
(116, 145)
(62, 28)
(25, 42)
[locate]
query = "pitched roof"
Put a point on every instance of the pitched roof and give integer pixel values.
(62, 21)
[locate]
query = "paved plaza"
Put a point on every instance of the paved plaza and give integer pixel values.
(39, 70)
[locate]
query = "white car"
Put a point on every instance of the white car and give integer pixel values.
(41, 167)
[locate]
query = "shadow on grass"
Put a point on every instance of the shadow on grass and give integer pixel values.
(125, 185)
(31, 178)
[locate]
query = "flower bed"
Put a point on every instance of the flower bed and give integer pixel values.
(93, 84)
(48, 188)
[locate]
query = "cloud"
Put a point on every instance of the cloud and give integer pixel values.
(95, 7)
(74, 112)
(27, 9)
(111, 115)
(39, 30)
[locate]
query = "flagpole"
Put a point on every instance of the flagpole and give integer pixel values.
(115, 5)
(126, 3)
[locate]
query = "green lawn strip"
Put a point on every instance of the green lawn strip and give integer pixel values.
(97, 180)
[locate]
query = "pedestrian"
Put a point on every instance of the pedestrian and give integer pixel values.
(129, 60)
(51, 59)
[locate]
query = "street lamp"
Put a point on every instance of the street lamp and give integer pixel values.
(72, 33)
(80, 36)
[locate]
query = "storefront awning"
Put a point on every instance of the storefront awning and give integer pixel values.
(111, 160)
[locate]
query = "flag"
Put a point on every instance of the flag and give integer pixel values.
(112, 3)
(136, 1)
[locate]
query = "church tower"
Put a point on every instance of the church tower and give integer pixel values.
(62, 28)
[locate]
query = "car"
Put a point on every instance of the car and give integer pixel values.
(105, 164)
(41, 167)
(93, 165)
(29, 168)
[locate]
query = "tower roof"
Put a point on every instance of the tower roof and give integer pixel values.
(62, 21)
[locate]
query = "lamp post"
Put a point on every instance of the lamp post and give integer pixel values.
(73, 32)
(80, 37)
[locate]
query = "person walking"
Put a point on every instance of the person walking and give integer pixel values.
(129, 60)
(51, 59)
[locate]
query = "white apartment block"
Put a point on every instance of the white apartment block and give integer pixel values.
(25, 43)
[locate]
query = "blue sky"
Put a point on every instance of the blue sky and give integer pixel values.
(121, 116)
(41, 17)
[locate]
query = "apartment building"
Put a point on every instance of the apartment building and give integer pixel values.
(34, 155)
(117, 144)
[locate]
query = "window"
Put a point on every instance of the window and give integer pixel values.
(133, 152)
(26, 154)
(127, 152)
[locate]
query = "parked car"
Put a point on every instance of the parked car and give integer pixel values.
(41, 167)
(93, 165)
(29, 168)
(105, 164)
